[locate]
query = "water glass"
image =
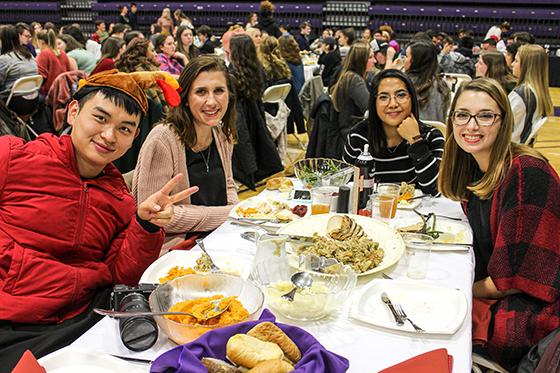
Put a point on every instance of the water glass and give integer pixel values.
(418, 248)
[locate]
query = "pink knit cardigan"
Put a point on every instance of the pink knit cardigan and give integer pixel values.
(162, 157)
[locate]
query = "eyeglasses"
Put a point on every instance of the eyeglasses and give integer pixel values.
(401, 97)
(26, 35)
(482, 119)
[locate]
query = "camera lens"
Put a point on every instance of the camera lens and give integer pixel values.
(138, 333)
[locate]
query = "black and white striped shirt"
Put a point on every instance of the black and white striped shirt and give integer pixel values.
(416, 164)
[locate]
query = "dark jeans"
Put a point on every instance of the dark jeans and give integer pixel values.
(42, 339)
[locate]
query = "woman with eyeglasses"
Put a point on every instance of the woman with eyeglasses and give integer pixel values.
(402, 147)
(510, 195)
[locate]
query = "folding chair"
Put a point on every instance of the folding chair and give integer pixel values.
(28, 88)
(480, 362)
(534, 130)
(276, 94)
(439, 125)
(455, 80)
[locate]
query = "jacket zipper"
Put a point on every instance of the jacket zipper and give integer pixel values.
(81, 221)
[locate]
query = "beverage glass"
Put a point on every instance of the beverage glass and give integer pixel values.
(321, 200)
(388, 199)
(418, 248)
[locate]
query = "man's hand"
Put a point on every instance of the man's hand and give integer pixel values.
(158, 208)
(409, 129)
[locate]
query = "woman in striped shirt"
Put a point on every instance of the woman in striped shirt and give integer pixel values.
(403, 148)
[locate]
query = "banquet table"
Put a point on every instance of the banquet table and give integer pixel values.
(367, 348)
(309, 70)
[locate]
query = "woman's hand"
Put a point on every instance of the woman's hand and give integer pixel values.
(486, 288)
(182, 57)
(158, 208)
(409, 129)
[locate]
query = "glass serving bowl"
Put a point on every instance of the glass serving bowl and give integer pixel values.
(326, 294)
(200, 286)
(314, 172)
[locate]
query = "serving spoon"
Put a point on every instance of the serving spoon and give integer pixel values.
(301, 280)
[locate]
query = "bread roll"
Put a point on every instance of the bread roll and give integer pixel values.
(268, 332)
(242, 349)
(286, 185)
(272, 366)
(274, 183)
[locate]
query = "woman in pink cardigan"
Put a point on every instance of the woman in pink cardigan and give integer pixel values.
(196, 140)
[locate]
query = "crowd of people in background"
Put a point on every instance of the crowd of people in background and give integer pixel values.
(375, 88)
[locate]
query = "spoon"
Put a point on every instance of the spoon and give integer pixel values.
(213, 266)
(301, 280)
(208, 314)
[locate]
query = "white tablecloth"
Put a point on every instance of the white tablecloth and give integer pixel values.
(369, 349)
(308, 71)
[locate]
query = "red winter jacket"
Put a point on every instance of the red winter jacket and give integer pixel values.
(62, 237)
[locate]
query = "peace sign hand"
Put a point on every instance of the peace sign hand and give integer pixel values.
(158, 208)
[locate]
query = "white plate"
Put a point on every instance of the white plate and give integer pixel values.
(454, 232)
(436, 309)
(72, 360)
(234, 264)
(253, 201)
(389, 240)
(403, 205)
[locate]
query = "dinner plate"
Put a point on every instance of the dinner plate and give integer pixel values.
(405, 205)
(233, 264)
(72, 360)
(436, 309)
(389, 240)
(253, 201)
(453, 232)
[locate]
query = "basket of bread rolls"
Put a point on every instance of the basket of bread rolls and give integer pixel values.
(261, 346)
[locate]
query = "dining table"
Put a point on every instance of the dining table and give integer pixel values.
(368, 348)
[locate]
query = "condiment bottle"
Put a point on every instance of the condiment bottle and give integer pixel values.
(365, 167)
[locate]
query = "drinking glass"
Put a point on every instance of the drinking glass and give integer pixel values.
(418, 248)
(388, 199)
(321, 200)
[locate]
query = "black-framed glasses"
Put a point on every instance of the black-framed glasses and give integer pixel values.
(482, 119)
(401, 97)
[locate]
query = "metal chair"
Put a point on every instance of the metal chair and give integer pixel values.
(480, 362)
(534, 130)
(455, 80)
(276, 93)
(28, 88)
(439, 125)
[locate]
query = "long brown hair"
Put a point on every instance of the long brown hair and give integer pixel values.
(274, 66)
(459, 168)
(180, 117)
(499, 70)
(354, 63)
(534, 74)
(289, 49)
(135, 57)
(49, 38)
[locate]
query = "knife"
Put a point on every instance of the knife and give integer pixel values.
(387, 301)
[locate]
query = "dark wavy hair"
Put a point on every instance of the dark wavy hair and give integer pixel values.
(376, 135)
(424, 69)
(245, 67)
(9, 39)
(192, 50)
(274, 66)
(136, 54)
(180, 117)
(289, 49)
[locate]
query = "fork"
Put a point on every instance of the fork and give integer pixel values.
(403, 316)
(213, 266)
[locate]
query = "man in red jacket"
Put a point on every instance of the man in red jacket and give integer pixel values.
(68, 225)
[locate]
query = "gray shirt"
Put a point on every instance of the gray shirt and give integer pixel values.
(13, 67)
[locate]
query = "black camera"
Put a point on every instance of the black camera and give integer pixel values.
(138, 333)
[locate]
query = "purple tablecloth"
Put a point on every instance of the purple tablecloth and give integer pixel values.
(186, 358)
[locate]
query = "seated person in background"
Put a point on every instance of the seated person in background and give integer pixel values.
(100, 33)
(289, 51)
(489, 45)
(85, 61)
(72, 229)
(350, 95)
(197, 141)
(510, 196)
(421, 66)
(493, 65)
(330, 61)
(51, 61)
(15, 62)
(204, 34)
(402, 147)
(454, 62)
(530, 100)
(169, 59)
(302, 38)
(110, 52)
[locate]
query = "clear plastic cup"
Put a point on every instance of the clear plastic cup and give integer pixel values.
(387, 199)
(418, 248)
(321, 200)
